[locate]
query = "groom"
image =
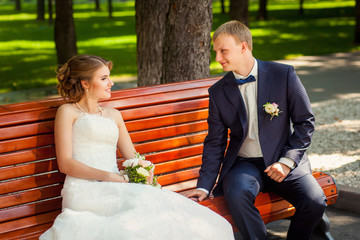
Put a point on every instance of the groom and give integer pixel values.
(256, 101)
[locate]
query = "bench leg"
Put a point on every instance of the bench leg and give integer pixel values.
(323, 228)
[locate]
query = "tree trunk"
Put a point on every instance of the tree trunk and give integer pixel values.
(65, 37)
(40, 10)
(262, 13)
(97, 5)
(110, 8)
(301, 10)
(18, 5)
(239, 11)
(150, 31)
(186, 51)
(223, 7)
(50, 11)
(357, 20)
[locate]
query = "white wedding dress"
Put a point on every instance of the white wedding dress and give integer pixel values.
(124, 211)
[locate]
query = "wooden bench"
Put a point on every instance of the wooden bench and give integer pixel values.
(166, 122)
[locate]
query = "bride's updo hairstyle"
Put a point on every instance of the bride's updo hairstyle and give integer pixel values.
(75, 70)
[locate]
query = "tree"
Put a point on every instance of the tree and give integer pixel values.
(110, 8)
(65, 37)
(17, 5)
(186, 46)
(173, 40)
(50, 11)
(262, 13)
(357, 19)
(97, 5)
(40, 10)
(239, 10)
(223, 7)
(301, 9)
(150, 31)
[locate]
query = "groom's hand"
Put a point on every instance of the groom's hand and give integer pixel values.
(277, 171)
(196, 195)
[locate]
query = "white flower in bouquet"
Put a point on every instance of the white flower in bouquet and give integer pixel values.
(143, 172)
(139, 170)
(131, 162)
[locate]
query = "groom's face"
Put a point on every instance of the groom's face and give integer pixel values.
(228, 52)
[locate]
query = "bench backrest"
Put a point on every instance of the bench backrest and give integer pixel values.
(167, 123)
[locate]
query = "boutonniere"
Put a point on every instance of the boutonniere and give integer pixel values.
(272, 109)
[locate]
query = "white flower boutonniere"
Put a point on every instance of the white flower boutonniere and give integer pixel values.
(272, 109)
(139, 170)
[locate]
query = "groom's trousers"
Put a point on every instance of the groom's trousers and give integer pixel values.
(244, 182)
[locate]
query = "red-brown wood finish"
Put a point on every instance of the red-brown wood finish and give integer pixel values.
(167, 123)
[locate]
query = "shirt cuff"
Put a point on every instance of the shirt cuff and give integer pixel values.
(204, 190)
(288, 162)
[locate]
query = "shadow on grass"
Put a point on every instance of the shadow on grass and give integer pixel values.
(27, 63)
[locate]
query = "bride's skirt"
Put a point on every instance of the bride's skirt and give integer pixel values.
(101, 210)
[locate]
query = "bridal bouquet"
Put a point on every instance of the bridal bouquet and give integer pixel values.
(139, 170)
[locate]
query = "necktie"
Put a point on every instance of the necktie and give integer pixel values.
(250, 78)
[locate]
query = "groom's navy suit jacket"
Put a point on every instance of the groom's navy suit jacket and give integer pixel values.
(276, 83)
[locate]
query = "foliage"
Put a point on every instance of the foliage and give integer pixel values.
(139, 170)
(28, 56)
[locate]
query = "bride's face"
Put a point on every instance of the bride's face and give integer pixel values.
(101, 83)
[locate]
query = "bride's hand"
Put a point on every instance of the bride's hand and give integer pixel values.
(115, 177)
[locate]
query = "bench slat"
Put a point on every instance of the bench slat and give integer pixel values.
(173, 154)
(30, 210)
(24, 156)
(169, 108)
(159, 98)
(125, 103)
(167, 144)
(55, 102)
(26, 130)
(28, 169)
(26, 143)
(179, 176)
(31, 182)
(25, 223)
(27, 117)
(30, 233)
(29, 196)
(166, 120)
(170, 131)
(178, 165)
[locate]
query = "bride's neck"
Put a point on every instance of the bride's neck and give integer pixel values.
(89, 106)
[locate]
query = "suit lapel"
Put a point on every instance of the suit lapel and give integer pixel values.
(233, 94)
(265, 79)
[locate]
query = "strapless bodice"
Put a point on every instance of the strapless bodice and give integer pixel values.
(94, 141)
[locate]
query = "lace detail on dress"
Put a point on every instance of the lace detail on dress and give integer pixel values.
(94, 141)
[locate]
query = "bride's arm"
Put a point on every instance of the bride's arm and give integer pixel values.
(65, 117)
(125, 144)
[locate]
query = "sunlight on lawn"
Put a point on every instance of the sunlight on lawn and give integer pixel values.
(109, 42)
(326, 27)
(14, 46)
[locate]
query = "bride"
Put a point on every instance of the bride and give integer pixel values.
(98, 203)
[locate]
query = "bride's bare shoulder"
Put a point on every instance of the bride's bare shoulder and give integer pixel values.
(113, 113)
(67, 110)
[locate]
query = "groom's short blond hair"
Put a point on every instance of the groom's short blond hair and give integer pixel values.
(236, 29)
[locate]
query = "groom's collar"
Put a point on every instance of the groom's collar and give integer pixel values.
(254, 72)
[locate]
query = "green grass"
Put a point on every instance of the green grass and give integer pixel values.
(28, 56)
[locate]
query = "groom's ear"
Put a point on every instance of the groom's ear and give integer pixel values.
(244, 46)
